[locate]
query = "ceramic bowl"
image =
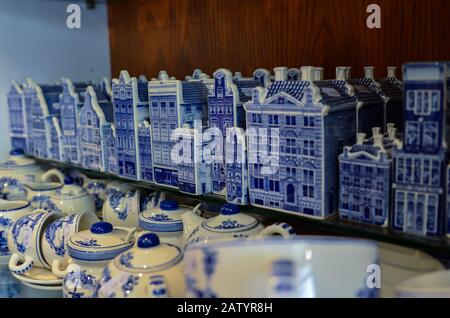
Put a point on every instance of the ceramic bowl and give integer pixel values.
(432, 285)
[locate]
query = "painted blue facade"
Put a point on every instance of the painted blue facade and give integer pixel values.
(236, 166)
(16, 111)
(111, 152)
(194, 173)
(173, 103)
(54, 138)
(420, 165)
(29, 95)
(94, 124)
(225, 106)
(365, 171)
(128, 98)
(145, 151)
(309, 124)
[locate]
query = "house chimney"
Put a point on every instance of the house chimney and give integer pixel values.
(318, 73)
(368, 71)
(341, 73)
(360, 138)
(378, 141)
(391, 70)
(376, 131)
(348, 72)
(308, 73)
(237, 75)
(392, 131)
(280, 73)
(163, 76)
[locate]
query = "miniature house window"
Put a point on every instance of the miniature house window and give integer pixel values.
(308, 121)
(308, 148)
(154, 108)
(344, 201)
(432, 209)
(290, 193)
(412, 133)
(430, 135)
(435, 173)
(435, 100)
(163, 109)
(410, 101)
(355, 203)
(291, 121)
(219, 91)
(171, 109)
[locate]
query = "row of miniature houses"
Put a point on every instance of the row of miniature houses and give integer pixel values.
(128, 130)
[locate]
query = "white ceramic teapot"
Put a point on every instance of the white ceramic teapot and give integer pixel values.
(149, 270)
(229, 224)
(165, 221)
(17, 170)
(90, 251)
(71, 198)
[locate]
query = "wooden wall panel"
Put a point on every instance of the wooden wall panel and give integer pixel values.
(241, 35)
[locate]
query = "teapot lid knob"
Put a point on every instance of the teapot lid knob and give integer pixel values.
(230, 209)
(17, 152)
(68, 180)
(101, 228)
(168, 205)
(148, 240)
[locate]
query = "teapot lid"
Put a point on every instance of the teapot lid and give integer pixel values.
(17, 160)
(70, 190)
(149, 255)
(101, 242)
(165, 218)
(231, 219)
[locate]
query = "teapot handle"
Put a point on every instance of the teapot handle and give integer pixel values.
(281, 228)
(197, 210)
(22, 268)
(130, 232)
(157, 287)
(56, 268)
(47, 176)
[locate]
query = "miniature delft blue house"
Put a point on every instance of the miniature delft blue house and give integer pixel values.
(173, 103)
(130, 108)
(95, 120)
(365, 170)
(16, 111)
(225, 105)
(194, 172)
(419, 183)
(314, 120)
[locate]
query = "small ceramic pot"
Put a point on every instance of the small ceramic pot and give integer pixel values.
(90, 251)
(97, 190)
(72, 199)
(149, 270)
(57, 234)
(122, 205)
(10, 211)
(24, 240)
(432, 285)
(303, 267)
(38, 194)
(165, 221)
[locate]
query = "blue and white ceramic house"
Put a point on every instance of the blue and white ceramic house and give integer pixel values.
(54, 138)
(225, 106)
(419, 184)
(16, 111)
(70, 102)
(130, 101)
(194, 172)
(365, 171)
(236, 166)
(94, 125)
(29, 94)
(145, 151)
(173, 103)
(111, 151)
(309, 123)
(370, 105)
(44, 106)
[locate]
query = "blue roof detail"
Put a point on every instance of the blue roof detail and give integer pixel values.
(293, 88)
(245, 88)
(332, 94)
(142, 85)
(368, 148)
(194, 92)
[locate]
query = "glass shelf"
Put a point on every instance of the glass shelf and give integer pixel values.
(439, 247)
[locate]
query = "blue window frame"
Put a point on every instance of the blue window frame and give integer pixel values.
(291, 121)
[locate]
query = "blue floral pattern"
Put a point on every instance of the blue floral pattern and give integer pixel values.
(129, 285)
(229, 224)
(11, 188)
(125, 259)
(115, 201)
(17, 231)
(88, 243)
(6, 224)
(55, 237)
(79, 284)
(160, 217)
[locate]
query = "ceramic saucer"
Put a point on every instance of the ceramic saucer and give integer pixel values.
(39, 276)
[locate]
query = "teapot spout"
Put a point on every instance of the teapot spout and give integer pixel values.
(191, 220)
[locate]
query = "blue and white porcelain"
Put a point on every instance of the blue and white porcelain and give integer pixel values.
(10, 211)
(24, 240)
(16, 111)
(9, 286)
(71, 198)
(97, 190)
(304, 267)
(149, 270)
(296, 130)
(165, 221)
(431, 285)
(90, 251)
(419, 178)
(122, 205)
(231, 223)
(38, 194)
(57, 234)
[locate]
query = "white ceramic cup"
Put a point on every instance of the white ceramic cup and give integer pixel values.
(24, 240)
(302, 267)
(57, 234)
(432, 285)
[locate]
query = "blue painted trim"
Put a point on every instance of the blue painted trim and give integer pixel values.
(97, 255)
(175, 227)
(19, 208)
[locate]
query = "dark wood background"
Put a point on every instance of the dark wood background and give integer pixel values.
(147, 36)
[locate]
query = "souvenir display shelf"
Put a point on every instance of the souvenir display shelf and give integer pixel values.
(439, 247)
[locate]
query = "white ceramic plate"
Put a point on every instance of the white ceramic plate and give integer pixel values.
(39, 276)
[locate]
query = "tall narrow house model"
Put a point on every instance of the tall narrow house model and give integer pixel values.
(173, 103)
(129, 98)
(307, 123)
(16, 111)
(419, 185)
